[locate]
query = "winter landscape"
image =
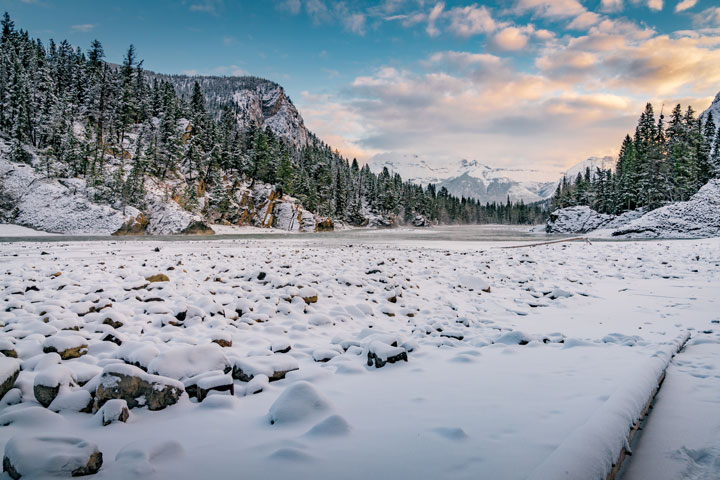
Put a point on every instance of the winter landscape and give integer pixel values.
(201, 278)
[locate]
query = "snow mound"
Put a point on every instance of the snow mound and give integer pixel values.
(186, 362)
(699, 217)
(298, 402)
(334, 425)
(583, 219)
(35, 457)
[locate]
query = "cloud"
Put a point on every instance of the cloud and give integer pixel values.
(290, 6)
(83, 27)
(551, 8)
(510, 38)
(656, 5)
(584, 21)
(611, 5)
(432, 18)
(708, 17)
(685, 5)
(207, 6)
(230, 70)
(470, 20)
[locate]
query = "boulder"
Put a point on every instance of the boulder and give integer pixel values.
(581, 219)
(420, 221)
(137, 388)
(50, 456)
(201, 385)
(325, 225)
(274, 366)
(67, 346)
(134, 226)
(198, 227)
(381, 354)
(699, 217)
(115, 410)
(49, 381)
(9, 371)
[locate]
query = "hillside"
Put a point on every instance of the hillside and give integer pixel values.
(183, 154)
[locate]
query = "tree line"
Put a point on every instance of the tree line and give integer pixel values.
(72, 114)
(661, 164)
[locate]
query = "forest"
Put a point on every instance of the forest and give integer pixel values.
(662, 163)
(117, 126)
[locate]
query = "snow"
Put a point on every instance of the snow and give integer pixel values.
(684, 442)
(581, 329)
(11, 230)
(299, 402)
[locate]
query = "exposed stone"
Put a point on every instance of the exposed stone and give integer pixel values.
(115, 410)
(9, 371)
(137, 388)
(134, 226)
(160, 277)
(198, 228)
(45, 395)
(325, 225)
(68, 353)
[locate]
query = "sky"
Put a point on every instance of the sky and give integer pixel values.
(526, 84)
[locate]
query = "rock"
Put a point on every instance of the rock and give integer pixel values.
(115, 410)
(137, 388)
(699, 217)
(49, 381)
(274, 366)
(67, 346)
(581, 219)
(223, 342)
(201, 385)
(309, 294)
(44, 456)
(198, 228)
(325, 225)
(420, 221)
(381, 354)
(9, 371)
(134, 226)
(160, 277)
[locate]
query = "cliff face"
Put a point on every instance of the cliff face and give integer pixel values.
(255, 100)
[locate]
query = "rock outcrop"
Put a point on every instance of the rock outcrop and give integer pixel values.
(697, 218)
(137, 388)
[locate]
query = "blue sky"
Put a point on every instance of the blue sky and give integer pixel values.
(520, 83)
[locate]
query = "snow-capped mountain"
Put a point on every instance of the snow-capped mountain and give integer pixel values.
(593, 163)
(715, 109)
(255, 100)
(470, 178)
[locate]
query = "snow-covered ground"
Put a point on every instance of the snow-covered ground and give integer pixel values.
(520, 362)
(11, 230)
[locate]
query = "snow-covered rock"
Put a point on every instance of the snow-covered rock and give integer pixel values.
(699, 217)
(9, 370)
(580, 219)
(300, 401)
(50, 456)
(137, 388)
(56, 205)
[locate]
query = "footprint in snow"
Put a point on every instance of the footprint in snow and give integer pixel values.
(451, 433)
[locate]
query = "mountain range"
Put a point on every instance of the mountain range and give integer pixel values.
(472, 179)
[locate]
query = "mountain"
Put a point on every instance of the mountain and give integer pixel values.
(253, 100)
(472, 179)
(715, 109)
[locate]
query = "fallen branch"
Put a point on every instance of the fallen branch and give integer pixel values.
(573, 239)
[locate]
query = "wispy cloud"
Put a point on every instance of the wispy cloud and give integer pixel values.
(685, 5)
(207, 6)
(83, 27)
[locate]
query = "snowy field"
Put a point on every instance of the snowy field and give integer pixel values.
(521, 363)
